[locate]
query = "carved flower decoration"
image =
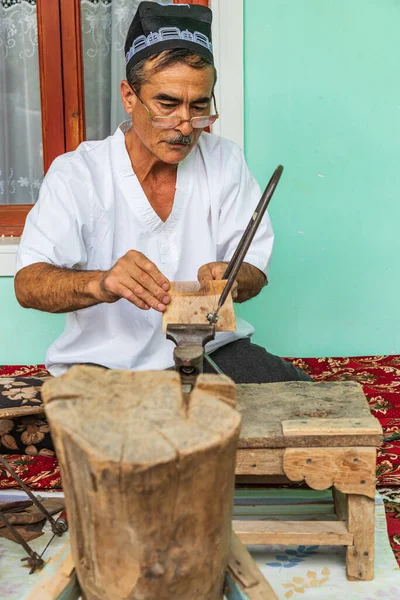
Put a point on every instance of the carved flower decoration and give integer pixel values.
(7, 381)
(7, 440)
(25, 394)
(33, 430)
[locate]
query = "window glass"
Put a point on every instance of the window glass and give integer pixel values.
(21, 156)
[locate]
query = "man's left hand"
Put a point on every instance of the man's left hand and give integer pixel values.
(249, 283)
(215, 270)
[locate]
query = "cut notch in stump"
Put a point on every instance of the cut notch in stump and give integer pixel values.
(141, 475)
(191, 305)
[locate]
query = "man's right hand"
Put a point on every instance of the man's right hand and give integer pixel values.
(137, 279)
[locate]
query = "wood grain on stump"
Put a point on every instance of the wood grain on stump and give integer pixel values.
(148, 482)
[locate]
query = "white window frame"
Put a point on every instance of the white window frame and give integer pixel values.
(228, 54)
(8, 251)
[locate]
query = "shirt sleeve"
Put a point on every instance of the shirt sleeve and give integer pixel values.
(55, 228)
(241, 195)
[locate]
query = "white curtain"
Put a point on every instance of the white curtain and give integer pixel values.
(21, 157)
(104, 27)
(105, 24)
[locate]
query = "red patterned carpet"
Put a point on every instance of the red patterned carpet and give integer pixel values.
(380, 378)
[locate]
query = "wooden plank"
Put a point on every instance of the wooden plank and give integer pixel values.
(320, 533)
(350, 470)
(340, 502)
(57, 580)
(74, 104)
(246, 574)
(265, 406)
(260, 462)
(232, 590)
(361, 523)
(51, 81)
(338, 426)
(190, 305)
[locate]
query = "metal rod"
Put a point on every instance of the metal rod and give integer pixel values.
(34, 559)
(213, 364)
(239, 255)
(62, 521)
(55, 528)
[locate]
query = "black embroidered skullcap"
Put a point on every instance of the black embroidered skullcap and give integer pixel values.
(156, 27)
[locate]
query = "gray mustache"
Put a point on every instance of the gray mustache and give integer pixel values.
(180, 139)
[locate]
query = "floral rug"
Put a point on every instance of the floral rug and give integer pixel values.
(391, 499)
(380, 378)
(294, 572)
(315, 572)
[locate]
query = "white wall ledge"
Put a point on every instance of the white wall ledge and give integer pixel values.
(8, 251)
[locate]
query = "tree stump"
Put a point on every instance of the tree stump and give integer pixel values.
(148, 478)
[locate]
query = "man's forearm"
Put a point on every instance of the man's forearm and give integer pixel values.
(56, 290)
(250, 282)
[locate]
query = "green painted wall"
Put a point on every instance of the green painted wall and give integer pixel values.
(25, 334)
(322, 97)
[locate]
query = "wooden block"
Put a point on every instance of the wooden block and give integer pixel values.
(191, 305)
(260, 462)
(361, 523)
(218, 386)
(141, 466)
(244, 571)
(305, 427)
(309, 533)
(265, 407)
(32, 514)
(350, 470)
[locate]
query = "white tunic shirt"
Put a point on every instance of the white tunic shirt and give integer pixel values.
(92, 210)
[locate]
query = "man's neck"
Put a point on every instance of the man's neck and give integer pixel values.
(146, 165)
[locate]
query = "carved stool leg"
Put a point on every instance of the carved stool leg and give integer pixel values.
(340, 502)
(360, 521)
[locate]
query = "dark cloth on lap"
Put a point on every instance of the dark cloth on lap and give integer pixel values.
(245, 362)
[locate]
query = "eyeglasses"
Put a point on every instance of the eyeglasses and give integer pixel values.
(171, 122)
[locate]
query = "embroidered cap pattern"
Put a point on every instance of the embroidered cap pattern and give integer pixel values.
(164, 34)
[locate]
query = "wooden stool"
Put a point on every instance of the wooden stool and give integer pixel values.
(325, 435)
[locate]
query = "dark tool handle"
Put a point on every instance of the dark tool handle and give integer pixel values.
(62, 525)
(62, 520)
(237, 259)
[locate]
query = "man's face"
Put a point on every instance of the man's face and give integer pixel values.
(178, 90)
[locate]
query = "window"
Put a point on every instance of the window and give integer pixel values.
(60, 65)
(41, 113)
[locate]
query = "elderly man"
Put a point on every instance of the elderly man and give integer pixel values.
(158, 201)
